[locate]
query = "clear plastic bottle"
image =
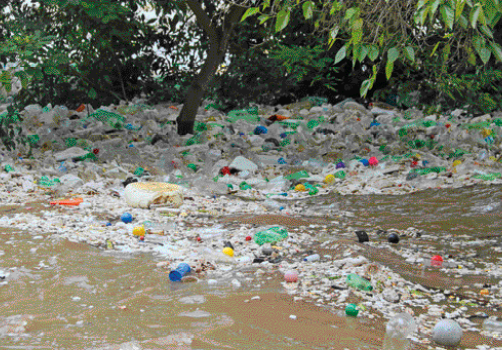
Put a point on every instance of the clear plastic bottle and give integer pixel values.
(398, 329)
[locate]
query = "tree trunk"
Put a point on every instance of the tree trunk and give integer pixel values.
(218, 39)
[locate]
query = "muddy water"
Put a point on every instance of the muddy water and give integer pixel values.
(63, 295)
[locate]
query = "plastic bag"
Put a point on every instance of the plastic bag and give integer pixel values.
(271, 235)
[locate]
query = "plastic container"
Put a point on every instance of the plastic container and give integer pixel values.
(313, 257)
(357, 282)
(182, 270)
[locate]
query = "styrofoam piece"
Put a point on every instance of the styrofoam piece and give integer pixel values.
(144, 194)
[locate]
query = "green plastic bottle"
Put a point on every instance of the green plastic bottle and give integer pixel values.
(357, 282)
(351, 310)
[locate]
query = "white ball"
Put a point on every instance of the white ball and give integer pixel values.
(447, 333)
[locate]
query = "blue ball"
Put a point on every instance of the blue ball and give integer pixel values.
(281, 208)
(283, 135)
(365, 162)
(126, 218)
(108, 224)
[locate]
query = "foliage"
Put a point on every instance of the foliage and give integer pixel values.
(93, 48)
(383, 32)
(299, 61)
(473, 89)
(11, 133)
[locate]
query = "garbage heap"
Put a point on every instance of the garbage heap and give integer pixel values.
(270, 154)
(302, 149)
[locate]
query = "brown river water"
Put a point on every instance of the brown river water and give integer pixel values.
(63, 295)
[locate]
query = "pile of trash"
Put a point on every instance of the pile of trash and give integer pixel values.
(261, 161)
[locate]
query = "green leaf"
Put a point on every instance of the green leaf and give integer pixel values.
(448, 15)
(497, 51)
(419, 17)
(459, 9)
(357, 31)
(389, 67)
(373, 76)
(5, 77)
(485, 55)
(52, 71)
(434, 7)
(473, 16)
(392, 54)
(350, 13)
(92, 94)
(496, 19)
(409, 52)
(478, 42)
(340, 55)
(365, 86)
(308, 9)
(373, 53)
(471, 57)
(381, 40)
(263, 18)
(487, 31)
(265, 4)
(282, 20)
(332, 35)
(363, 53)
(463, 21)
(434, 49)
(250, 12)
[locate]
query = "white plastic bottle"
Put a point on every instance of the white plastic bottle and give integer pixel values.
(313, 257)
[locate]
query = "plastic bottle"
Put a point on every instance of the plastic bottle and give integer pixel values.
(351, 310)
(313, 257)
(357, 282)
(181, 270)
(401, 326)
(492, 325)
(398, 328)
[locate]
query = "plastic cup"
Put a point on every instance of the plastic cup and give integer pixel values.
(181, 270)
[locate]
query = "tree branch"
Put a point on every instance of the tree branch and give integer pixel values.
(203, 19)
